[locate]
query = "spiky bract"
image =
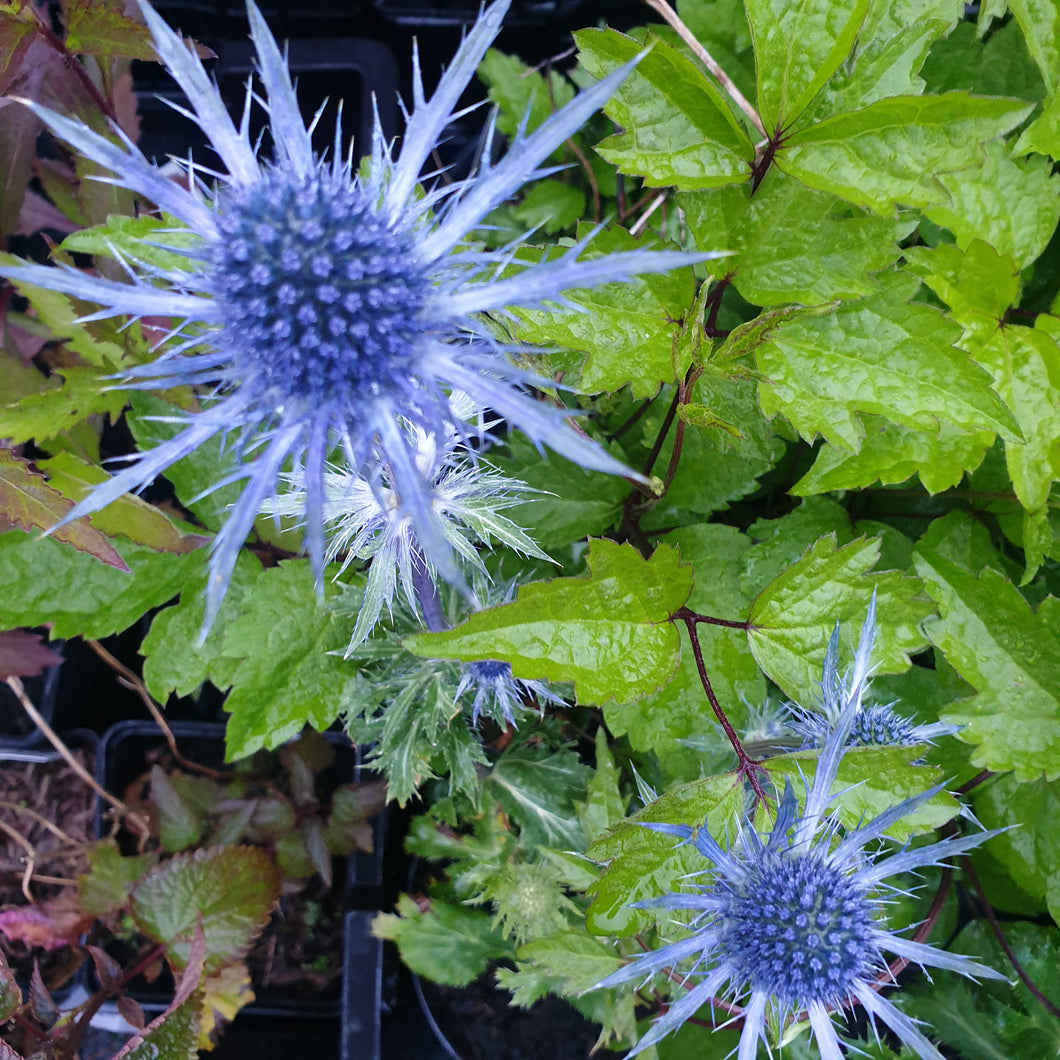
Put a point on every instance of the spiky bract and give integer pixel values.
(795, 919)
(324, 308)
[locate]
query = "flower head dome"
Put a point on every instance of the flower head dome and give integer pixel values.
(795, 919)
(326, 308)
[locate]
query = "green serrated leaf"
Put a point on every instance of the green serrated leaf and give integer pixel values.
(1040, 22)
(572, 501)
(609, 633)
(778, 543)
(136, 238)
(229, 889)
(1030, 848)
(449, 944)
(1012, 205)
(997, 64)
(43, 581)
(175, 661)
(792, 618)
(882, 355)
(291, 673)
(779, 258)
(797, 49)
(641, 863)
(1043, 134)
(1009, 656)
(892, 46)
(84, 392)
(571, 960)
(975, 282)
(537, 788)
(522, 94)
(104, 889)
(680, 131)
(551, 206)
(1025, 364)
(890, 152)
(629, 330)
(891, 454)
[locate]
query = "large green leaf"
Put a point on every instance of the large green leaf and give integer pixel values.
(1029, 849)
(229, 889)
(793, 617)
(1040, 22)
(641, 863)
(450, 944)
(976, 282)
(43, 581)
(1012, 205)
(1025, 364)
(1009, 655)
(292, 673)
(882, 355)
(891, 48)
(891, 453)
(572, 502)
(797, 49)
(679, 130)
(609, 633)
(628, 330)
(174, 660)
(892, 151)
(524, 97)
(777, 257)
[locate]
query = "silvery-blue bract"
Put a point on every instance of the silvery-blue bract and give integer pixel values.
(795, 919)
(326, 307)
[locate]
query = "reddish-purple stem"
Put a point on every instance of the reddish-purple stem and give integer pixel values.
(747, 767)
(991, 916)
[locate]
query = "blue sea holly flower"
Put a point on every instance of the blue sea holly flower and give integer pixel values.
(365, 520)
(873, 724)
(794, 920)
(326, 307)
(498, 694)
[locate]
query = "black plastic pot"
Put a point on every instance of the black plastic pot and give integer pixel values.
(357, 880)
(362, 980)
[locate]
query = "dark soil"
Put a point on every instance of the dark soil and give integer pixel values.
(300, 952)
(481, 1024)
(30, 791)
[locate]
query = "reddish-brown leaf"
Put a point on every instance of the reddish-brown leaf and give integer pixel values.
(24, 654)
(28, 501)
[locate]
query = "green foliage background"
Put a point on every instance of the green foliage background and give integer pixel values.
(862, 396)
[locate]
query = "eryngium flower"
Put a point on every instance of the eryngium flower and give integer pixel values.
(872, 724)
(498, 694)
(326, 307)
(365, 519)
(794, 919)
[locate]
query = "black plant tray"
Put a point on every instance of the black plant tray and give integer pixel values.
(357, 880)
